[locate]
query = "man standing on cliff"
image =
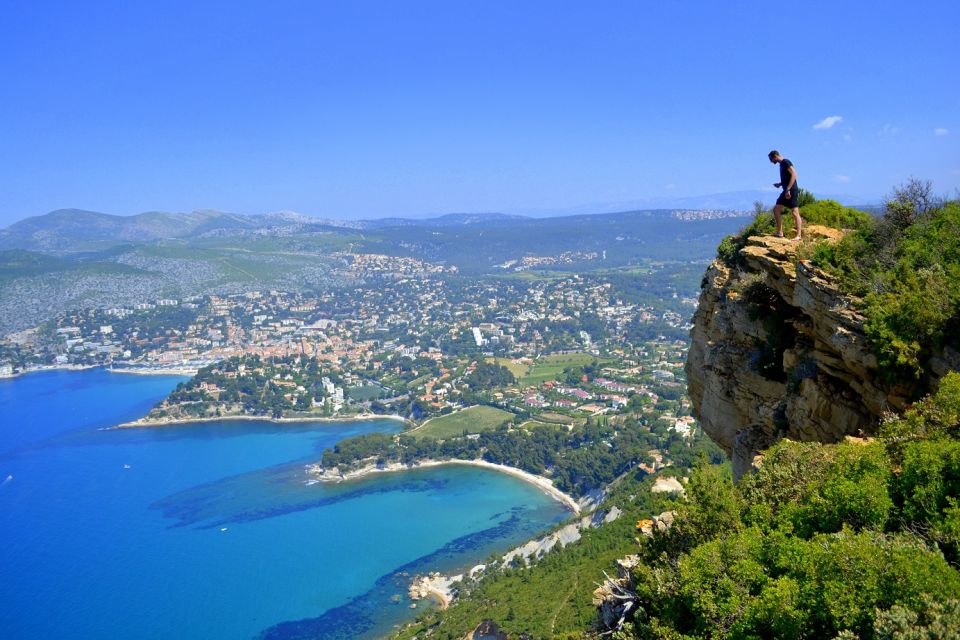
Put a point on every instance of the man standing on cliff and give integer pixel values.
(790, 197)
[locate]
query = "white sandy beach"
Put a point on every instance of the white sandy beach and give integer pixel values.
(544, 484)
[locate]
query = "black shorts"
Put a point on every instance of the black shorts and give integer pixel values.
(793, 201)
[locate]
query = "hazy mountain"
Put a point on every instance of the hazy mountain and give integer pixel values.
(446, 220)
(70, 230)
(76, 230)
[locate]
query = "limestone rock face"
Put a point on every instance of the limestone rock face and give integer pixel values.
(823, 383)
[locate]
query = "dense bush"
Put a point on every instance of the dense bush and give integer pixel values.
(906, 269)
(853, 540)
(831, 213)
(488, 375)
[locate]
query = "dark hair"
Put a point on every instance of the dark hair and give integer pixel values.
(773, 153)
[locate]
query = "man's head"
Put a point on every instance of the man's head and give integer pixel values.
(775, 156)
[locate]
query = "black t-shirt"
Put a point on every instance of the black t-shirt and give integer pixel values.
(785, 174)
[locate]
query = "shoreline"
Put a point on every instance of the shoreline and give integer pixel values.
(156, 371)
(52, 367)
(142, 423)
(544, 484)
(434, 585)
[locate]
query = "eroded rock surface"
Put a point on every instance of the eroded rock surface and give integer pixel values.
(819, 381)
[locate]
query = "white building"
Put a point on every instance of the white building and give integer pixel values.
(477, 336)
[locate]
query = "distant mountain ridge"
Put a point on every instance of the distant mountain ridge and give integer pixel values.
(77, 229)
(72, 231)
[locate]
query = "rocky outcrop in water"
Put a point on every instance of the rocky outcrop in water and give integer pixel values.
(777, 351)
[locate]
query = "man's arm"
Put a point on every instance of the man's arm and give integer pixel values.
(793, 179)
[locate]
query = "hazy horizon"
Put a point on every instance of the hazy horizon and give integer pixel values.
(729, 201)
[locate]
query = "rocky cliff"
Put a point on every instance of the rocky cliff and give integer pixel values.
(777, 351)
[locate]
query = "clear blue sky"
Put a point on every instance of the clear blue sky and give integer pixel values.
(358, 109)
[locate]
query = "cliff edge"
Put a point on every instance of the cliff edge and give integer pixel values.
(777, 351)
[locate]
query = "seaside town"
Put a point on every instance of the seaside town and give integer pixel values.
(414, 341)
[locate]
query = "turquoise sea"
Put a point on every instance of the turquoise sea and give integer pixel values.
(209, 530)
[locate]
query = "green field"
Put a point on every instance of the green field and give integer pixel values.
(518, 370)
(472, 420)
(362, 393)
(533, 424)
(416, 382)
(549, 367)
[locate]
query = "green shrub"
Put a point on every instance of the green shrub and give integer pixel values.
(775, 612)
(751, 584)
(908, 322)
(929, 480)
(790, 474)
(806, 488)
(847, 576)
(719, 579)
(909, 280)
(831, 213)
(936, 416)
(937, 620)
(712, 507)
(855, 492)
(805, 198)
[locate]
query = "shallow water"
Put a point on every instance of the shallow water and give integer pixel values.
(209, 530)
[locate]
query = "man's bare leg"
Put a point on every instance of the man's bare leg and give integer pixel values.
(778, 219)
(798, 223)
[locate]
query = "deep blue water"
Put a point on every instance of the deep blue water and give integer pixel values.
(91, 549)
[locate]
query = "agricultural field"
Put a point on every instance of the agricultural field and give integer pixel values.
(533, 424)
(517, 369)
(363, 393)
(557, 418)
(416, 382)
(549, 367)
(472, 420)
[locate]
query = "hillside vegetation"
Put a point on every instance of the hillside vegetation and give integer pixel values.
(853, 540)
(905, 267)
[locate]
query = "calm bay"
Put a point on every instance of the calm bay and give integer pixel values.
(211, 530)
